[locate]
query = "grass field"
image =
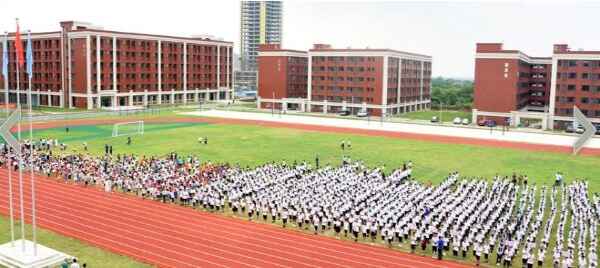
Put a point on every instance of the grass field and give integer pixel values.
(446, 115)
(254, 145)
(93, 256)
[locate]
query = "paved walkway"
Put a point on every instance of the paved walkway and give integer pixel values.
(441, 130)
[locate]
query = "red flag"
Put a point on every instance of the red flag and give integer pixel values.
(19, 47)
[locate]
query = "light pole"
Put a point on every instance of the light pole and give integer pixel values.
(441, 110)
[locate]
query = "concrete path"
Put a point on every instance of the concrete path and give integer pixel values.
(443, 130)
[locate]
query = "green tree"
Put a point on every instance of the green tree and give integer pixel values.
(452, 93)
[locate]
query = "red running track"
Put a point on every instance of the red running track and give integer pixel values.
(169, 235)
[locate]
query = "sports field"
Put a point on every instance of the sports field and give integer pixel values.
(254, 145)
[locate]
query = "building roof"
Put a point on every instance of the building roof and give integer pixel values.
(88, 27)
(376, 50)
(154, 35)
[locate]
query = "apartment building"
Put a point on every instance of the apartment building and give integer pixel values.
(85, 66)
(375, 81)
(511, 86)
(283, 76)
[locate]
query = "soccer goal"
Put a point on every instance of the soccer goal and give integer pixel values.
(128, 128)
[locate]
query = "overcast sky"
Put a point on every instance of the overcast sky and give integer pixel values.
(447, 31)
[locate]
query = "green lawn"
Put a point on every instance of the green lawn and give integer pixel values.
(254, 145)
(446, 115)
(93, 256)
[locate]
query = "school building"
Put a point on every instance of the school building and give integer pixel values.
(376, 81)
(85, 66)
(512, 87)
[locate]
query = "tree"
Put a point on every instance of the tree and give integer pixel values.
(452, 93)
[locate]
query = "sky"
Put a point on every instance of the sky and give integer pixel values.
(448, 31)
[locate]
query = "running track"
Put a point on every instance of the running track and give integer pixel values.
(168, 235)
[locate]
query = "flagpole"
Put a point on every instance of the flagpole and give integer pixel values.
(10, 188)
(20, 155)
(30, 73)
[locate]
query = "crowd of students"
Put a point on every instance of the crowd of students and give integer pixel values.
(462, 217)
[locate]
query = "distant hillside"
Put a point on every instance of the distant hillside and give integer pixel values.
(452, 93)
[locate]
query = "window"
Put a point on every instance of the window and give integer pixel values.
(570, 87)
(585, 76)
(585, 88)
(572, 75)
(585, 100)
(572, 63)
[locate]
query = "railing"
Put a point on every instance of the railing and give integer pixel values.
(84, 115)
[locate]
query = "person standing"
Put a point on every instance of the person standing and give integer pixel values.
(74, 264)
(440, 248)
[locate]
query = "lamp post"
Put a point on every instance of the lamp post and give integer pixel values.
(441, 110)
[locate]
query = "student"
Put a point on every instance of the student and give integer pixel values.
(355, 230)
(499, 254)
(530, 261)
(337, 227)
(65, 263)
(486, 252)
(455, 247)
(74, 264)
(478, 250)
(316, 222)
(390, 238)
(284, 217)
(107, 185)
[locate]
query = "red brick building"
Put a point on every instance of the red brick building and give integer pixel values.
(282, 77)
(511, 84)
(87, 67)
(377, 81)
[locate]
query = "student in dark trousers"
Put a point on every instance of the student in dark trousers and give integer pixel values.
(440, 248)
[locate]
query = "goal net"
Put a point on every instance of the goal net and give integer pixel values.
(128, 128)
